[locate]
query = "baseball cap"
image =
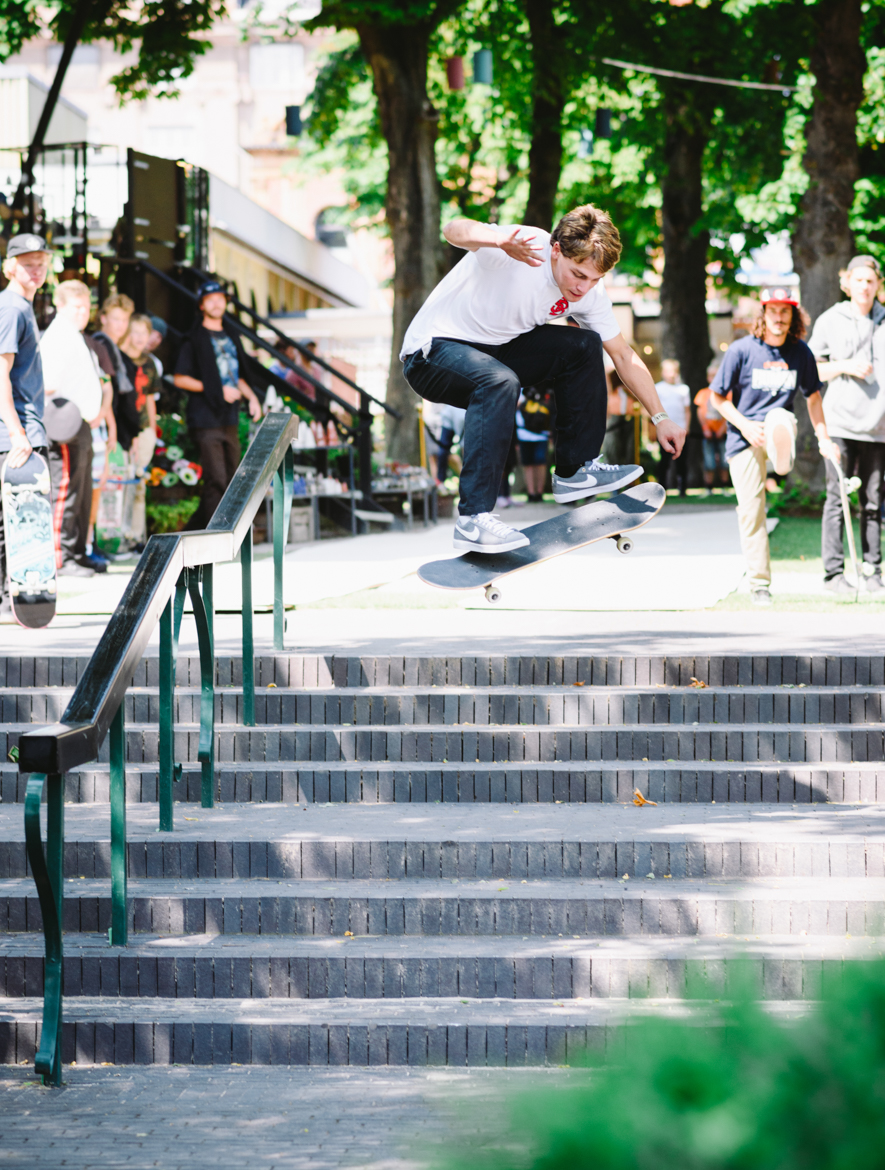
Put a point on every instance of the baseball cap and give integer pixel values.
(865, 262)
(207, 287)
(160, 325)
(778, 296)
(25, 242)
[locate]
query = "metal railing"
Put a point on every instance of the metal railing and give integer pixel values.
(360, 433)
(170, 566)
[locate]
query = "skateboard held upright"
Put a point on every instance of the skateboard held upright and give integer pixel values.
(30, 548)
(616, 518)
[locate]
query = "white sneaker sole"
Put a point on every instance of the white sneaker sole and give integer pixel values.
(782, 449)
(472, 546)
(563, 496)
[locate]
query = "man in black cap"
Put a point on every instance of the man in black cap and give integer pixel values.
(854, 406)
(21, 374)
(209, 368)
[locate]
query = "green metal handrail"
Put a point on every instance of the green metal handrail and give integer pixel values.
(170, 566)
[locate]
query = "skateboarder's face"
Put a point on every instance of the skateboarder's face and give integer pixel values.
(575, 278)
(777, 323)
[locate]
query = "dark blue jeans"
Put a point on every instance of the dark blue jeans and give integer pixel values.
(486, 379)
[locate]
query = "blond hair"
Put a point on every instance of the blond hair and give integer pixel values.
(117, 301)
(70, 290)
(141, 319)
(586, 233)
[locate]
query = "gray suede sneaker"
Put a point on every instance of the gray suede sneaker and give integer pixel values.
(594, 477)
(485, 533)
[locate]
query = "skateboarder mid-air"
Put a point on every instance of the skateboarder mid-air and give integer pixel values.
(483, 333)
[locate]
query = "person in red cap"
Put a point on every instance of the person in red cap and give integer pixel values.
(754, 392)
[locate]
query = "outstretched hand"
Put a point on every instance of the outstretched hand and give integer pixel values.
(523, 250)
(671, 436)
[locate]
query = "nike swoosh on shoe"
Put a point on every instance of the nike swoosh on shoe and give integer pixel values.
(471, 535)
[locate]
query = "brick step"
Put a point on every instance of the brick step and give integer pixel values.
(703, 743)
(332, 1032)
(511, 783)
(258, 967)
(308, 670)
(480, 707)
(477, 841)
(533, 908)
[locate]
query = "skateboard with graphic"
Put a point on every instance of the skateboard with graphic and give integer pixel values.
(30, 547)
(615, 518)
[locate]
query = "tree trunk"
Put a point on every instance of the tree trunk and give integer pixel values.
(685, 333)
(822, 240)
(549, 92)
(397, 56)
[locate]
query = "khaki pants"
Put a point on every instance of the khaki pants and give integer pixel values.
(748, 476)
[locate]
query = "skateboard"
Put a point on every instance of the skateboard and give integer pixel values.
(846, 486)
(614, 518)
(30, 547)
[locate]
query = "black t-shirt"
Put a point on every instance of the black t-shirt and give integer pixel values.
(759, 377)
(200, 411)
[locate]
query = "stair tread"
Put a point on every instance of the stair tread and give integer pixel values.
(475, 823)
(865, 889)
(367, 1012)
(646, 947)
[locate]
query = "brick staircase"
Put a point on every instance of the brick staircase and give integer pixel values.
(438, 861)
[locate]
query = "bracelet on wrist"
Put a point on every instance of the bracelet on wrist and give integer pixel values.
(659, 417)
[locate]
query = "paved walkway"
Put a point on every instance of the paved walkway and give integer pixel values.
(264, 1118)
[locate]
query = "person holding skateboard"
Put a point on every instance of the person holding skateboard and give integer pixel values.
(483, 333)
(754, 392)
(21, 373)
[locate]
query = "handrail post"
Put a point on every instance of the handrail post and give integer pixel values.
(170, 625)
(203, 613)
(119, 932)
(365, 446)
(248, 640)
(48, 871)
(282, 497)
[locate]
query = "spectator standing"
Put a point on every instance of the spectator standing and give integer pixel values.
(114, 320)
(854, 408)
(451, 427)
(209, 368)
(294, 379)
(618, 444)
(675, 399)
(73, 390)
(761, 374)
(21, 372)
(535, 416)
(713, 426)
(142, 371)
(104, 441)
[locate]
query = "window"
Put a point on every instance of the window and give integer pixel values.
(277, 66)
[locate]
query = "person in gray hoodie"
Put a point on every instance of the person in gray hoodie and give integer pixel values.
(843, 340)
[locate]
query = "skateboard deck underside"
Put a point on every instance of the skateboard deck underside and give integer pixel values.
(572, 529)
(30, 548)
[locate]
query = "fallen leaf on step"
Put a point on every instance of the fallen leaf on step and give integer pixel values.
(348, 934)
(696, 682)
(191, 818)
(580, 684)
(271, 685)
(639, 799)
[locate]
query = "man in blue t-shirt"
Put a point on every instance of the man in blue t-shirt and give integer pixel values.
(209, 367)
(21, 372)
(754, 392)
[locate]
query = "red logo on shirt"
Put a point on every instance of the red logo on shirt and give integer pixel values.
(559, 308)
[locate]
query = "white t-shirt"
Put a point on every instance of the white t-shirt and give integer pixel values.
(675, 399)
(70, 369)
(490, 297)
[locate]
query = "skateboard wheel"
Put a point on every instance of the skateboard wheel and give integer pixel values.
(493, 594)
(625, 544)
